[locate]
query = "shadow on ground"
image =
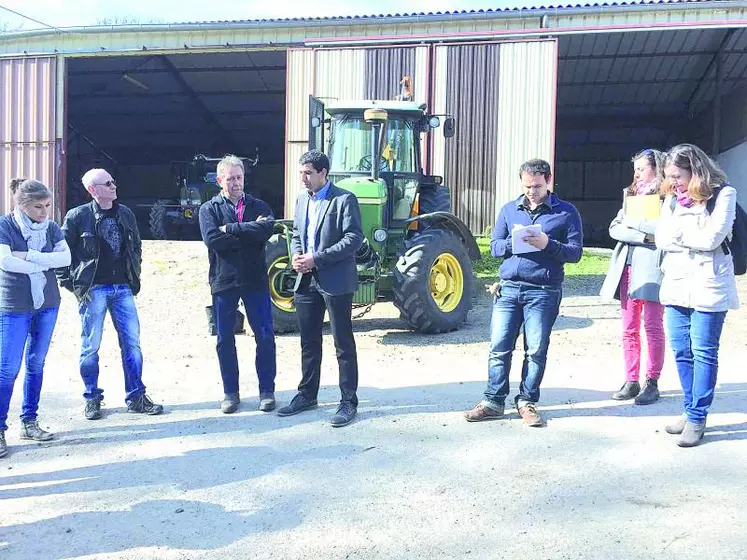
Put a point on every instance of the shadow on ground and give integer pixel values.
(448, 398)
(168, 524)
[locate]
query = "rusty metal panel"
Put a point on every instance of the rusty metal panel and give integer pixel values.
(27, 122)
(472, 84)
(526, 111)
(300, 84)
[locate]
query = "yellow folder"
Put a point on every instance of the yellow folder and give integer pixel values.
(646, 206)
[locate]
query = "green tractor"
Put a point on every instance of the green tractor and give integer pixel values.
(417, 253)
(197, 182)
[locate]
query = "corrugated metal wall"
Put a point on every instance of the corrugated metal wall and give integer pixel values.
(326, 74)
(470, 156)
(27, 122)
(340, 74)
(420, 80)
(440, 70)
(385, 69)
(299, 84)
(526, 111)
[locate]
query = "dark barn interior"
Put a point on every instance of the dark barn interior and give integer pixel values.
(143, 117)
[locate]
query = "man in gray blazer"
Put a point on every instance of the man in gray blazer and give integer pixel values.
(326, 235)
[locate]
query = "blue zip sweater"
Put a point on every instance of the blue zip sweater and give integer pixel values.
(559, 220)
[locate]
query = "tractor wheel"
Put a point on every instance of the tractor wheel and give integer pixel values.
(433, 282)
(434, 199)
(158, 220)
(281, 293)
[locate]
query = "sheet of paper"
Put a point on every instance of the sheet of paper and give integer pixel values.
(518, 245)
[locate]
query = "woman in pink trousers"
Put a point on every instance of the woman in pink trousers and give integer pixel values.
(634, 277)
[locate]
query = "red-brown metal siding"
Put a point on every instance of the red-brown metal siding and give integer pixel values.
(27, 123)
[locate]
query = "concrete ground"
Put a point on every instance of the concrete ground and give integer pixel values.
(409, 479)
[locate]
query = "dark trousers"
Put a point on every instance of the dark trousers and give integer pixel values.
(259, 314)
(310, 308)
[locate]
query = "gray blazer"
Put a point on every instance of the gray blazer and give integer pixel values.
(338, 237)
(645, 274)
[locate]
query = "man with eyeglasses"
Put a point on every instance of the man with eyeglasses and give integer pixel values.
(104, 275)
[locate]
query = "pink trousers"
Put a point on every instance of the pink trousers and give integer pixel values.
(653, 324)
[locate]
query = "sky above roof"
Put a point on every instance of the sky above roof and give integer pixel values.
(65, 13)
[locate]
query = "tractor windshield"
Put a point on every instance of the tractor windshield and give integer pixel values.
(350, 146)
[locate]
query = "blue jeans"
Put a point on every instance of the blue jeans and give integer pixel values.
(259, 314)
(536, 308)
(32, 332)
(694, 337)
(120, 303)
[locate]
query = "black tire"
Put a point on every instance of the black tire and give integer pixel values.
(435, 198)
(158, 220)
(413, 294)
(283, 310)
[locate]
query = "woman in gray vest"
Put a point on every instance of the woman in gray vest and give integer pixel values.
(31, 247)
(634, 278)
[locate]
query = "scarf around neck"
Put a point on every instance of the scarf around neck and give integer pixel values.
(644, 188)
(683, 199)
(35, 235)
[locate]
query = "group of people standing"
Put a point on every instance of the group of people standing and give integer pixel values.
(675, 268)
(96, 255)
(327, 232)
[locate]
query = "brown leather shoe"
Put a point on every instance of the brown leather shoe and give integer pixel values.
(483, 412)
(530, 415)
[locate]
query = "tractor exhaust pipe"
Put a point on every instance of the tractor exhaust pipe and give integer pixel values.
(376, 118)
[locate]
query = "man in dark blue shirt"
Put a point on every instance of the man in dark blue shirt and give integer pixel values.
(530, 288)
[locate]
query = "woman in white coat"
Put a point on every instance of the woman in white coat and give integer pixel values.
(698, 285)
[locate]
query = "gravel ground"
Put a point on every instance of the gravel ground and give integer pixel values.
(409, 479)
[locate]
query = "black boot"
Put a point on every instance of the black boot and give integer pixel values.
(628, 391)
(650, 393)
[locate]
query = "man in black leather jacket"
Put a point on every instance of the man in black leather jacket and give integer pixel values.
(104, 274)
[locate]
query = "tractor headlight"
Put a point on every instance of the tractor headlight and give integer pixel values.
(380, 235)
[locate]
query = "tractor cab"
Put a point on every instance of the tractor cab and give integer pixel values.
(380, 140)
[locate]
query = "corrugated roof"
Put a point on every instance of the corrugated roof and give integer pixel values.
(488, 12)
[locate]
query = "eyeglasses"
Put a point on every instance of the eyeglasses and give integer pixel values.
(107, 184)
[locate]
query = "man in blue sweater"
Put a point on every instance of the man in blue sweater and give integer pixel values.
(530, 289)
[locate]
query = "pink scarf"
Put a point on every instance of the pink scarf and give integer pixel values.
(643, 188)
(240, 210)
(683, 199)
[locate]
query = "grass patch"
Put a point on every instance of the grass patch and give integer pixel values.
(591, 264)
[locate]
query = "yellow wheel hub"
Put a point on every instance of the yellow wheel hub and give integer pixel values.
(281, 298)
(446, 282)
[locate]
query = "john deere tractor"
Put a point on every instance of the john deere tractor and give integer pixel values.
(196, 182)
(417, 253)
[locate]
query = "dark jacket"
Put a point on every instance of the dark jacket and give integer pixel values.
(338, 237)
(82, 233)
(237, 257)
(559, 220)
